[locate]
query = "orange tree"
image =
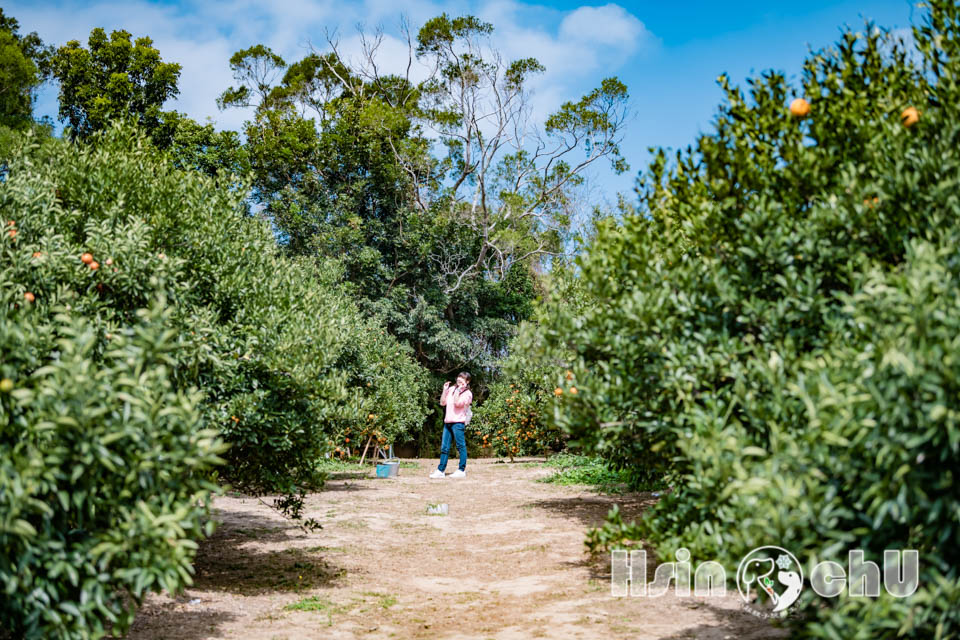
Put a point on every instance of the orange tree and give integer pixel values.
(516, 417)
(511, 421)
(145, 321)
(776, 328)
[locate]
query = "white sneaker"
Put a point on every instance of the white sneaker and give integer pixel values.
(438, 474)
(458, 474)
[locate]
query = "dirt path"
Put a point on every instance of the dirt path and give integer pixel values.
(507, 562)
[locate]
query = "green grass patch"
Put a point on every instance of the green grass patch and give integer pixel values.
(352, 465)
(384, 600)
(574, 469)
(312, 603)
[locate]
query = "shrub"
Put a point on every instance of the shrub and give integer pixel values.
(282, 359)
(511, 422)
(103, 469)
(775, 330)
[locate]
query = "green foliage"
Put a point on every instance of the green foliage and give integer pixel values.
(203, 148)
(512, 420)
(115, 78)
(578, 469)
(102, 465)
(283, 360)
(516, 417)
(18, 78)
(774, 331)
(23, 61)
(441, 235)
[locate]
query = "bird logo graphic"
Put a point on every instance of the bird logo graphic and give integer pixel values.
(769, 580)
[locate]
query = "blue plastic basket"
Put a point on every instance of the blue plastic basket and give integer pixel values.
(388, 470)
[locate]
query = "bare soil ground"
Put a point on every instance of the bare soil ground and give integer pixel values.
(507, 562)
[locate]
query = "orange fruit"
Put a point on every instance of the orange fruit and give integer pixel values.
(86, 258)
(94, 265)
(558, 391)
(910, 116)
(28, 297)
(569, 375)
(11, 223)
(371, 417)
(37, 254)
(162, 256)
(12, 233)
(108, 261)
(347, 440)
(799, 107)
(573, 390)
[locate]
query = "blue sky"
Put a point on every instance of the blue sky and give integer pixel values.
(668, 53)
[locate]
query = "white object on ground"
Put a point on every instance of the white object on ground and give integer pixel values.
(437, 474)
(437, 509)
(458, 474)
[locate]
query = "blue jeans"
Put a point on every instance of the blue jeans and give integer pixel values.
(453, 431)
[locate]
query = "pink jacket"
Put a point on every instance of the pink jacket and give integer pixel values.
(456, 404)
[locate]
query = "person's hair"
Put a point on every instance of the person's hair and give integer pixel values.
(465, 375)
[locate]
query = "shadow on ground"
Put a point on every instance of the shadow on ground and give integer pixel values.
(592, 510)
(238, 558)
(183, 624)
(730, 625)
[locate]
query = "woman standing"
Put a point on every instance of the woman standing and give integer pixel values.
(457, 401)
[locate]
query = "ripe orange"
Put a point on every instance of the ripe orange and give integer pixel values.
(569, 375)
(94, 265)
(12, 233)
(371, 417)
(799, 107)
(573, 390)
(347, 440)
(86, 258)
(910, 116)
(37, 254)
(11, 223)
(28, 297)
(558, 391)
(108, 261)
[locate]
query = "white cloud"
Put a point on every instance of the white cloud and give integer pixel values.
(610, 26)
(577, 48)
